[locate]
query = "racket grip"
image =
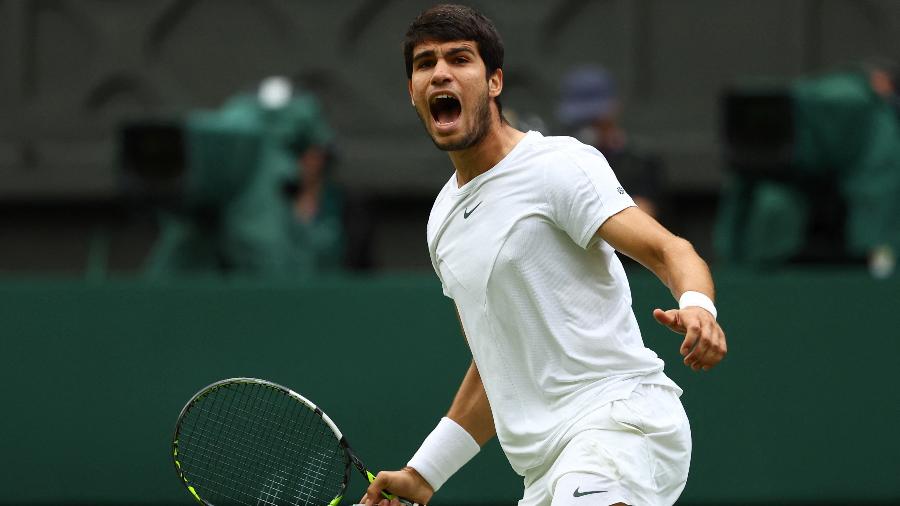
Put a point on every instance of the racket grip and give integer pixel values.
(388, 495)
(404, 502)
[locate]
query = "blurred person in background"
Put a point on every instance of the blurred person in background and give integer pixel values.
(884, 77)
(260, 196)
(837, 196)
(589, 110)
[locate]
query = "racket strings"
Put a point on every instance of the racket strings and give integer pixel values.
(208, 460)
(314, 453)
(252, 444)
(318, 455)
(272, 487)
(316, 477)
(211, 453)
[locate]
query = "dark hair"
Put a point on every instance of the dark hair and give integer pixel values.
(447, 22)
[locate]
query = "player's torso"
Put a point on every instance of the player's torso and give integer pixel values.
(469, 229)
(549, 322)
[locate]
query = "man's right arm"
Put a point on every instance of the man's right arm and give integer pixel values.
(470, 411)
(470, 408)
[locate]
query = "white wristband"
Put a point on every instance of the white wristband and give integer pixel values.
(443, 452)
(689, 299)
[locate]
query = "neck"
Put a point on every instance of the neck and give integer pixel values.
(478, 159)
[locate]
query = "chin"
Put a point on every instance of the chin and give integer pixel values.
(452, 145)
(446, 143)
(460, 140)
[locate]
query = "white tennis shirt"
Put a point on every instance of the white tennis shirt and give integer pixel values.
(545, 305)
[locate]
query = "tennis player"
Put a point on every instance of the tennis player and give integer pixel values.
(523, 238)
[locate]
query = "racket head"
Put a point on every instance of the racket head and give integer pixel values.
(250, 441)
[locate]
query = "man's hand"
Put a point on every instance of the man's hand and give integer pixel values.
(406, 483)
(704, 341)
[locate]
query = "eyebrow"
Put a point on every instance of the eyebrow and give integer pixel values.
(429, 53)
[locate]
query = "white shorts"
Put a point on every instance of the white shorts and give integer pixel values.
(635, 451)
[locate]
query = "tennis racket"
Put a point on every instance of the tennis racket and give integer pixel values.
(253, 442)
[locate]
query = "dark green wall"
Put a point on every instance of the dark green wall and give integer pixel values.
(805, 407)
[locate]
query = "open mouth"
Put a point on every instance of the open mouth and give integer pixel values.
(445, 109)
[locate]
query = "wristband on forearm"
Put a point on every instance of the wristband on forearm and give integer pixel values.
(443, 452)
(697, 299)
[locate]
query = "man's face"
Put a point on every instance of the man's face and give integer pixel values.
(451, 92)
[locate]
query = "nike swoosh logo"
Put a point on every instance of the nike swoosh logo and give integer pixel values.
(578, 493)
(467, 213)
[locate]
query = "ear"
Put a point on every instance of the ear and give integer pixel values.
(495, 83)
(409, 89)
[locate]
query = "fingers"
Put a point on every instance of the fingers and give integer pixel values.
(373, 495)
(700, 332)
(404, 483)
(691, 336)
(716, 351)
(382, 502)
(704, 344)
(670, 319)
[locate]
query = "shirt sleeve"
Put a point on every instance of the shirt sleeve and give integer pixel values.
(583, 192)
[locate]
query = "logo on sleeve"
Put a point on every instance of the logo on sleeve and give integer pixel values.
(579, 493)
(620, 190)
(467, 213)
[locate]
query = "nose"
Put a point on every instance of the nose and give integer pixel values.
(441, 74)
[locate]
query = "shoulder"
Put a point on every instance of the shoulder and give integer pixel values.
(562, 146)
(563, 158)
(565, 148)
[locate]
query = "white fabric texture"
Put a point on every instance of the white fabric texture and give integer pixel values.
(545, 305)
(443, 452)
(636, 450)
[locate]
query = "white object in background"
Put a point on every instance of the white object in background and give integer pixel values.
(882, 262)
(275, 91)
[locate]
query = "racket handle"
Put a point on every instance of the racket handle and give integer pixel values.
(403, 501)
(385, 493)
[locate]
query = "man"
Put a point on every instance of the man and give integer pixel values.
(522, 238)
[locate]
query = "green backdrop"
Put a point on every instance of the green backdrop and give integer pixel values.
(805, 407)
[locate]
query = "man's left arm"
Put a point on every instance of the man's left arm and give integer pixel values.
(680, 268)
